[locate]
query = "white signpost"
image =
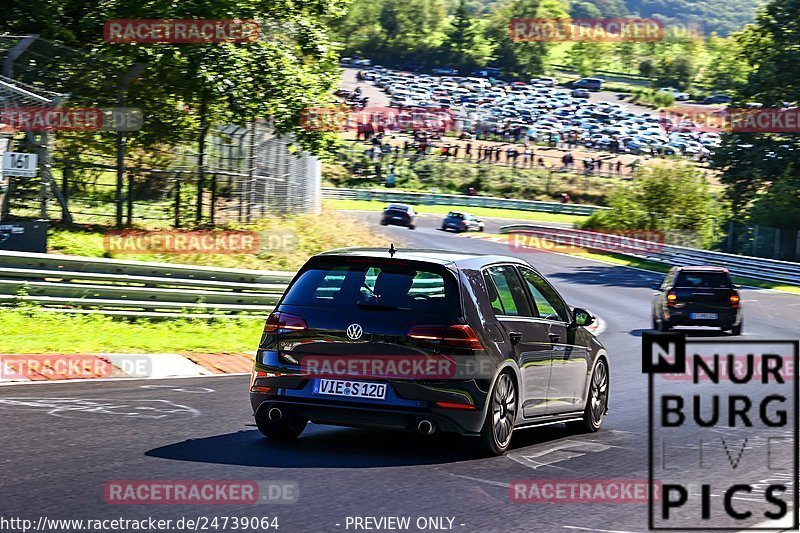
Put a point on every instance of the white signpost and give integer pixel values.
(20, 164)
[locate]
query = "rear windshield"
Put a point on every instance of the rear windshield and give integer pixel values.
(703, 280)
(453, 214)
(394, 286)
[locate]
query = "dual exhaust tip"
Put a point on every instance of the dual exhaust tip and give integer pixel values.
(424, 426)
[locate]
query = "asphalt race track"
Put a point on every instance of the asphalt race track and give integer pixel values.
(61, 443)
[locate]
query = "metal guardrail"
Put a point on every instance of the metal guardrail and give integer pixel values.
(82, 285)
(135, 288)
(423, 198)
(738, 265)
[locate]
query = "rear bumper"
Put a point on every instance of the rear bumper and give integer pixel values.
(456, 227)
(395, 222)
(725, 318)
(403, 419)
(407, 403)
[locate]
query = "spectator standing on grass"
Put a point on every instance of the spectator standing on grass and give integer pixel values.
(497, 154)
(565, 199)
(468, 150)
(541, 162)
(599, 166)
(526, 156)
(619, 167)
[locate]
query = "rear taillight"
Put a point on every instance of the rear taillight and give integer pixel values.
(672, 298)
(734, 300)
(456, 336)
(254, 376)
(281, 323)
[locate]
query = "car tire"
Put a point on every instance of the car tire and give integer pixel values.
(737, 330)
(597, 402)
(480, 228)
(286, 429)
(495, 438)
(663, 326)
(412, 226)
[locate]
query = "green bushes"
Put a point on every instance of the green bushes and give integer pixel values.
(674, 199)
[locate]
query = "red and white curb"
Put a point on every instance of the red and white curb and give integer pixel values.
(30, 368)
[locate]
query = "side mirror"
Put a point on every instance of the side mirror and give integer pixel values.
(582, 317)
(737, 287)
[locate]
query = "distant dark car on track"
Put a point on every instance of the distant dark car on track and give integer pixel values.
(593, 84)
(697, 296)
(717, 99)
(399, 215)
(459, 221)
(580, 93)
(520, 357)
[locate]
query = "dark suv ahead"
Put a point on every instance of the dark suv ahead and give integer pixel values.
(399, 215)
(427, 340)
(697, 296)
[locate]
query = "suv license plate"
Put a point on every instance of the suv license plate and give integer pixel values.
(353, 389)
(703, 316)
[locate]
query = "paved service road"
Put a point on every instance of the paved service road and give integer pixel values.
(62, 442)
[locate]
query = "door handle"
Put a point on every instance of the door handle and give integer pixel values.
(554, 337)
(515, 336)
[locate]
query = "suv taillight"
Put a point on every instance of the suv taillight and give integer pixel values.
(672, 298)
(456, 336)
(734, 300)
(281, 323)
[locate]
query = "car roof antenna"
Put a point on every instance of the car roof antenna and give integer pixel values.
(392, 250)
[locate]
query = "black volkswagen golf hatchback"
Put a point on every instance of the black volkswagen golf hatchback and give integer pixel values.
(427, 341)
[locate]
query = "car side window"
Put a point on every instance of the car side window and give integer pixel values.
(549, 304)
(509, 296)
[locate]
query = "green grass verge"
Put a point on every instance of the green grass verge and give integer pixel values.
(370, 205)
(285, 243)
(67, 333)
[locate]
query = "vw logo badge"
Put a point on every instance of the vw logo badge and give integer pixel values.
(354, 331)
